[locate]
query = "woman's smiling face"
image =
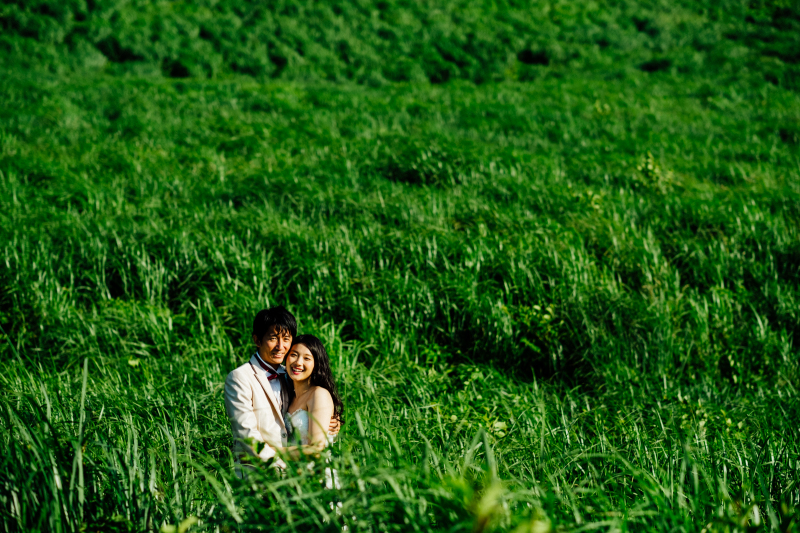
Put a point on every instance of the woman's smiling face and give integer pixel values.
(299, 363)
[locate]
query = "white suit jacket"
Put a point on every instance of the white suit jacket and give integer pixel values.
(253, 411)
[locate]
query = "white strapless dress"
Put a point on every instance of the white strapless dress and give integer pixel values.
(299, 424)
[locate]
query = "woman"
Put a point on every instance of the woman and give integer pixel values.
(316, 399)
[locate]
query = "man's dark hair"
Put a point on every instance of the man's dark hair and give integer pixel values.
(277, 316)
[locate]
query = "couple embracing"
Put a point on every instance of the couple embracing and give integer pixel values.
(282, 403)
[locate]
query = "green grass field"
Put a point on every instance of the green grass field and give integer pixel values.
(552, 248)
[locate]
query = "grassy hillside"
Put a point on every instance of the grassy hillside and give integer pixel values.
(406, 40)
(566, 303)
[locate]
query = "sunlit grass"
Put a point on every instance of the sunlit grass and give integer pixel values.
(565, 305)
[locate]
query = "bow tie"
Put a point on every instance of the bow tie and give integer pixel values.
(271, 374)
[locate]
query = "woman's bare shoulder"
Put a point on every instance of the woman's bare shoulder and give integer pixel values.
(321, 395)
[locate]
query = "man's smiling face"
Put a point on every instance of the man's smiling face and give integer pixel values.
(272, 347)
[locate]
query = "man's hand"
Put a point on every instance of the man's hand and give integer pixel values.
(335, 425)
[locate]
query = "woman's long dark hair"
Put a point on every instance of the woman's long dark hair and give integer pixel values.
(321, 376)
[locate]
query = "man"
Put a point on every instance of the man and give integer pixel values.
(258, 393)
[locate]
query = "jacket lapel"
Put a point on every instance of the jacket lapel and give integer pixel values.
(261, 377)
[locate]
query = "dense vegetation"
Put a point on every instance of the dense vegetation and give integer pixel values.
(404, 40)
(561, 290)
